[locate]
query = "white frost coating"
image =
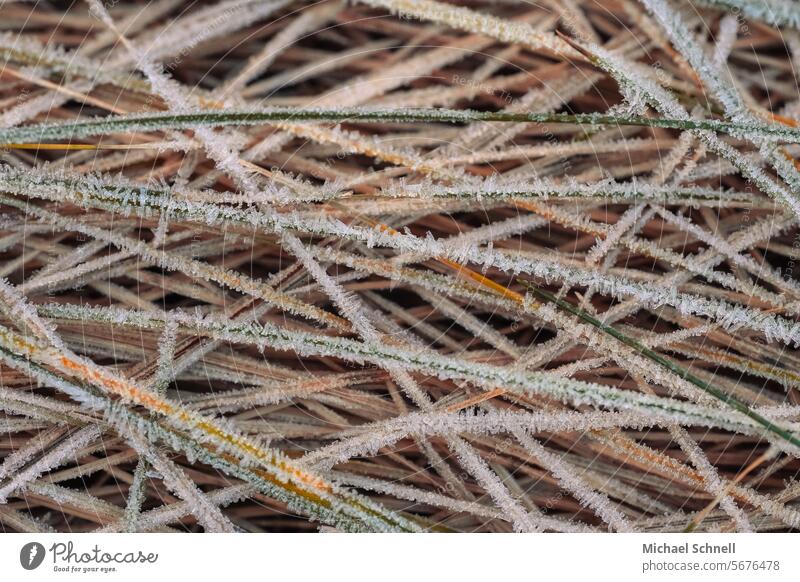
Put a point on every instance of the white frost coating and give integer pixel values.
(488, 479)
(405, 380)
(713, 482)
(565, 473)
(721, 84)
(775, 12)
(210, 22)
(206, 512)
(471, 323)
(664, 102)
(728, 30)
(368, 439)
(18, 308)
(724, 313)
(350, 306)
(466, 19)
(161, 516)
(23, 455)
(65, 452)
(615, 233)
(485, 375)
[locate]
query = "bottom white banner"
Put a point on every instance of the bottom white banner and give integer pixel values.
(389, 557)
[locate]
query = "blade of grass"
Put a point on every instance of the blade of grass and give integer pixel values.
(734, 403)
(216, 118)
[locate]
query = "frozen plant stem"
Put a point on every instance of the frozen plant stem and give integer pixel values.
(9, 137)
(256, 253)
(735, 404)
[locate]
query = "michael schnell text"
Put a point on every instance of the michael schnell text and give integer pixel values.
(687, 548)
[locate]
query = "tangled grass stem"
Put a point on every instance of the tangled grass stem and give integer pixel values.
(31, 134)
(729, 400)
